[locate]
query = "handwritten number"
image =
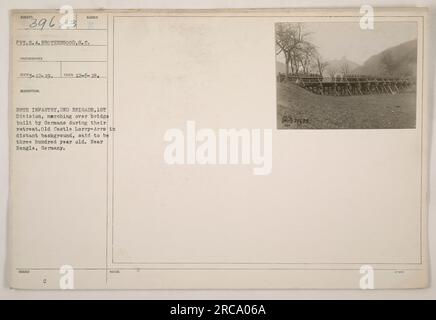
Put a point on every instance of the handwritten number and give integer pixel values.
(51, 24)
(33, 24)
(42, 23)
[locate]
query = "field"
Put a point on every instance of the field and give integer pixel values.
(298, 108)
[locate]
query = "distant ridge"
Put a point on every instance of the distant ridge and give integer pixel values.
(336, 66)
(398, 61)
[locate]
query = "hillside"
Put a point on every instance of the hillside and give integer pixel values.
(336, 66)
(398, 61)
(299, 108)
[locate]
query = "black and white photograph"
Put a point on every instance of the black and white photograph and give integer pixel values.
(230, 158)
(337, 75)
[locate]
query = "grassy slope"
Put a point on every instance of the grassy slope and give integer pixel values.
(304, 109)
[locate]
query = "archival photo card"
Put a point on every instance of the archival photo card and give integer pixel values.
(149, 149)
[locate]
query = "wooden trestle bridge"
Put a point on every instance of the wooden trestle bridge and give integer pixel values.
(348, 85)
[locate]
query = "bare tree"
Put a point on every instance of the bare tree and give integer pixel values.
(292, 42)
(345, 68)
(308, 55)
(321, 65)
(285, 42)
(332, 72)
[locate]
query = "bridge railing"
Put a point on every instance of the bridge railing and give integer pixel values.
(350, 84)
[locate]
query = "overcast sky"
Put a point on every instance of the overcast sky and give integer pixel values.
(338, 39)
